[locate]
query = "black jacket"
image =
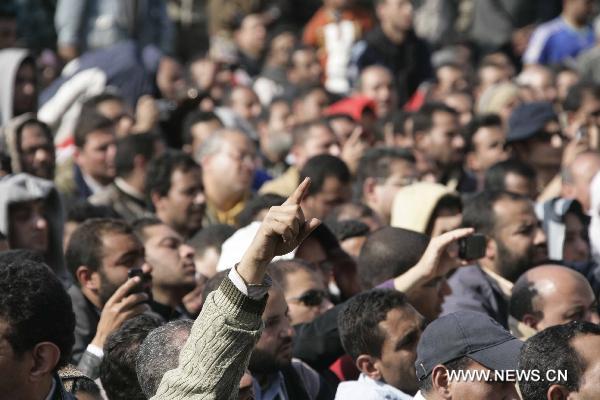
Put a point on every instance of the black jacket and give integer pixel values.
(317, 343)
(409, 62)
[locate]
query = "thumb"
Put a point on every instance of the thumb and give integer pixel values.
(308, 228)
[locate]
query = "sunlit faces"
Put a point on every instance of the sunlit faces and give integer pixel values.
(377, 83)
(306, 296)
(320, 140)
(444, 144)
(563, 296)
(97, 157)
(245, 103)
(333, 192)
(172, 260)
(520, 241)
(36, 151)
(234, 163)
(121, 252)
(488, 148)
(396, 365)
(273, 350)
(184, 205)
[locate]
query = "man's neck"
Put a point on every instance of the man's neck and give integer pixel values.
(574, 22)
(182, 230)
(171, 297)
(385, 217)
(219, 197)
(251, 53)
(265, 380)
(394, 35)
(132, 184)
(94, 184)
(272, 157)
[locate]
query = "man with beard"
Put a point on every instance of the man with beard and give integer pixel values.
(30, 144)
(103, 298)
(275, 136)
(174, 186)
(275, 372)
(515, 242)
(440, 147)
(228, 159)
(173, 268)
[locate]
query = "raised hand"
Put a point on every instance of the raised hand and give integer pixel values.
(438, 260)
(120, 307)
(282, 230)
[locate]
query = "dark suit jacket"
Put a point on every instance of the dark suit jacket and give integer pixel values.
(474, 290)
(86, 322)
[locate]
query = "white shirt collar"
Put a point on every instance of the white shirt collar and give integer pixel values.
(128, 189)
(93, 184)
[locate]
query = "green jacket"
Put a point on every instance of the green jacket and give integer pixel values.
(218, 350)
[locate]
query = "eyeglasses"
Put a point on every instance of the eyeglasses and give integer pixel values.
(311, 298)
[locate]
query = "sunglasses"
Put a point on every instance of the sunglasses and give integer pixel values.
(311, 298)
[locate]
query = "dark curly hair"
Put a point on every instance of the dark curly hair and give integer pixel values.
(35, 306)
(358, 322)
(552, 349)
(88, 248)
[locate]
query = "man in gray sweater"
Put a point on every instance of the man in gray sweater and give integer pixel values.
(218, 350)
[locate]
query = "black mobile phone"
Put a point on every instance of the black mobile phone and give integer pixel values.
(143, 286)
(472, 247)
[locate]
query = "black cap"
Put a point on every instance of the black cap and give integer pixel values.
(466, 333)
(529, 118)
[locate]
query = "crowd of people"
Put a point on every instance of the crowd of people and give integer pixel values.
(312, 200)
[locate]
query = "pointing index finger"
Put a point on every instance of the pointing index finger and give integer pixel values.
(299, 193)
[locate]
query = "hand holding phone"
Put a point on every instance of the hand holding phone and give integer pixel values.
(472, 247)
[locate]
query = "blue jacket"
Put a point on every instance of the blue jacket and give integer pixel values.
(474, 290)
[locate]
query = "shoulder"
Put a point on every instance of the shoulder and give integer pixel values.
(105, 197)
(468, 274)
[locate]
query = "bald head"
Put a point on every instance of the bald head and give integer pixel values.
(376, 82)
(551, 295)
(578, 176)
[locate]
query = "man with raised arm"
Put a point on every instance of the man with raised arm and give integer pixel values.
(218, 350)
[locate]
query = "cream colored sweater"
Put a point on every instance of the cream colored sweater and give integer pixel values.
(218, 350)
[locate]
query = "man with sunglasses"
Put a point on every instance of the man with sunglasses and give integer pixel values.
(303, 289)
(535, 136)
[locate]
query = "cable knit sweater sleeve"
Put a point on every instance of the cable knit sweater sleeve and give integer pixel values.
(218, 350)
